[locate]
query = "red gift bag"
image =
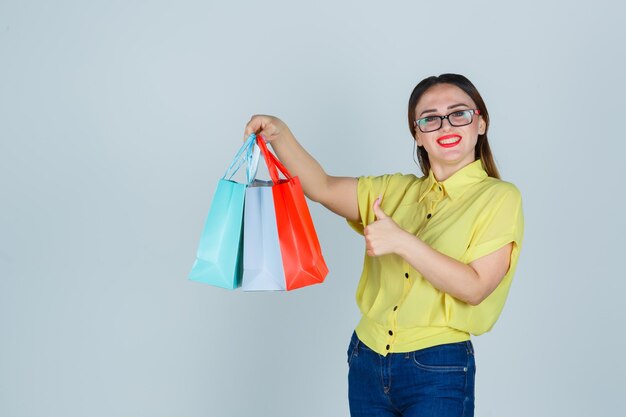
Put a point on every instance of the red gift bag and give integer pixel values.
(301, 253)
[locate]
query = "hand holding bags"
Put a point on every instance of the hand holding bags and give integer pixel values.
(219, 257)
(281, 249)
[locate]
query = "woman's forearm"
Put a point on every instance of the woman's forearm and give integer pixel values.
(338, 194)
(443, 272)
(469, 283)
(300, 163)
(295, 158)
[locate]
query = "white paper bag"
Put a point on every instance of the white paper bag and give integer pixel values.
(262, 261)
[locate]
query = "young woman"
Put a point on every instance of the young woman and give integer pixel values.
(441, 251)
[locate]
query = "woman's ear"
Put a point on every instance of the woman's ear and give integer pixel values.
(418, 140)
(482, 126)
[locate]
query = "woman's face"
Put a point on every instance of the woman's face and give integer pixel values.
(450, 148)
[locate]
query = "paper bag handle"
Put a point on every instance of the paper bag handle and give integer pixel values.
(251, 158)
(273, 164)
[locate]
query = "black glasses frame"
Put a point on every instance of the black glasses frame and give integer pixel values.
(447, 116)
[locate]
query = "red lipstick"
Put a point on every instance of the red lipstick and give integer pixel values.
(449, 141)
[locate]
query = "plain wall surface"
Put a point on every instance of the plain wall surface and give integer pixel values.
(117, 119)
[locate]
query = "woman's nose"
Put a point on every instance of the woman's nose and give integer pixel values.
(445, 125)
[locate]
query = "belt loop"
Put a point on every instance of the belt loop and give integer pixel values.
(470, 347)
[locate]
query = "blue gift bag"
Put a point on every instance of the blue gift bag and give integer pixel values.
(219, 257)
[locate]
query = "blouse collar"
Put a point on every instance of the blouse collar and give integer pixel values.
(458, 182)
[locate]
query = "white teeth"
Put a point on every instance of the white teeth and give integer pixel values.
(450, 140)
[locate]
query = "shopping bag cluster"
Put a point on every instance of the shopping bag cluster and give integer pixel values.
(259, 235)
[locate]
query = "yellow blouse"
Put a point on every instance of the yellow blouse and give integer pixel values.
(466, 217)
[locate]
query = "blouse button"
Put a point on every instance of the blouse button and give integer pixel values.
(387, 347)
(390, 333)
(406, 274)
(395, 308)
(429, 216)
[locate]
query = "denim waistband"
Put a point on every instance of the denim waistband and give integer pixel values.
(357, 344)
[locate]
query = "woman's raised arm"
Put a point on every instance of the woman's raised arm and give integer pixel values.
(338, 194)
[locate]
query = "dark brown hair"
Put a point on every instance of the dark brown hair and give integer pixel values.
(483, 151)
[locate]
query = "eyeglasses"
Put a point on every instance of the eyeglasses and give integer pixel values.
(456, 118)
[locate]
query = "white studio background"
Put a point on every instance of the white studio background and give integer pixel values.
(118, 117)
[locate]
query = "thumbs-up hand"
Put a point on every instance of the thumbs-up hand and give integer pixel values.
(383, 236)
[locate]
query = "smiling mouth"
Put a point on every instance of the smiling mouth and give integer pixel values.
(449, 141)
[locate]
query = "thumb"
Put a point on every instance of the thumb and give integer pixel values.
(380, 214)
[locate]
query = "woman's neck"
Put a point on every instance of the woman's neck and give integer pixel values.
(443, 171)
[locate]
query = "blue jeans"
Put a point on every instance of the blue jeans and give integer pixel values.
(432, 382)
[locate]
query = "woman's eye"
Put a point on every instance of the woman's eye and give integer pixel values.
(431, 119)
(459, 114)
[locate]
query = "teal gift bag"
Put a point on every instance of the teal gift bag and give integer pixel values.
(219, 257)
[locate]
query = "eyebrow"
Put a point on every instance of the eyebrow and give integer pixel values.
(449, 108)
